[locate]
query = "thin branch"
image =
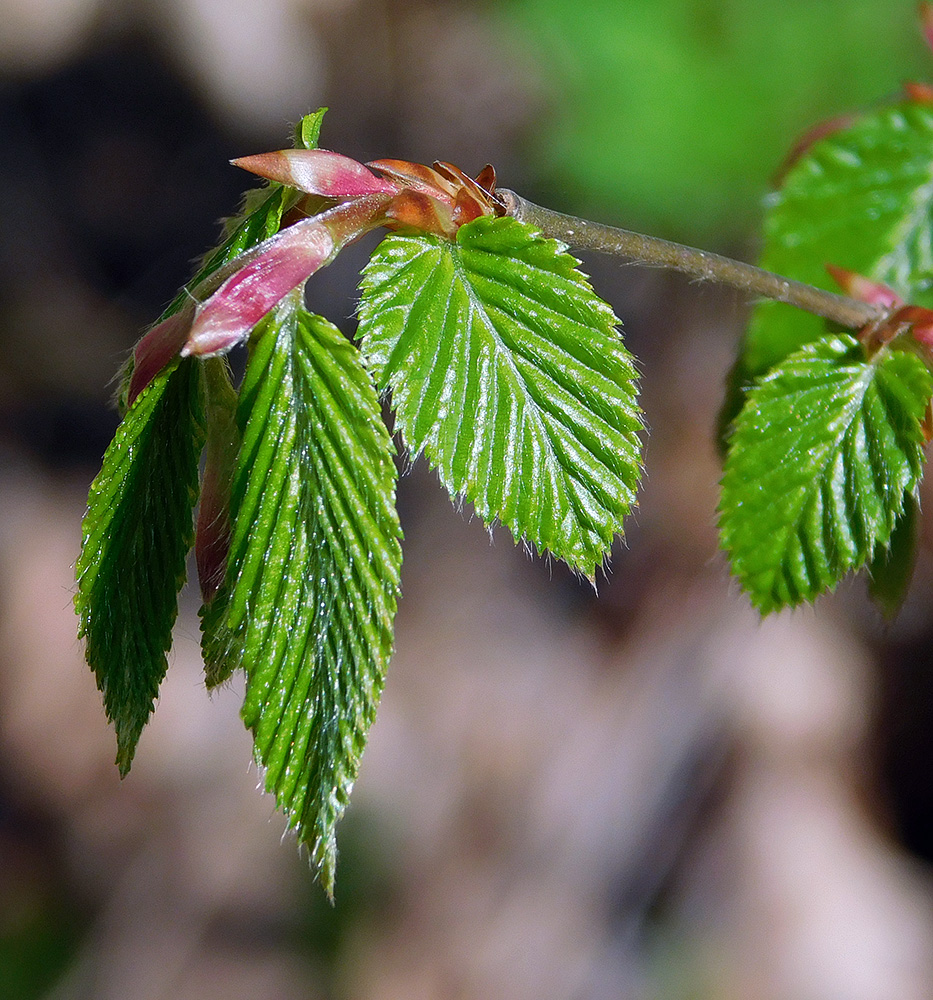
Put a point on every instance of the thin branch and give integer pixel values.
(586, 235)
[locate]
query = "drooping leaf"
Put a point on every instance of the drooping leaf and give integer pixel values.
(313, 574)
(825, 454)
(860, 199)
(509, 373)
(136, 535)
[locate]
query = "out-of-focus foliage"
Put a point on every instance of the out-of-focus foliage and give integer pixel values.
(673, 116)
(817, 474)
(38, 934)
(860, 199)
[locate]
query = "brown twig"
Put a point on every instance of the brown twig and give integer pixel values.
(586, 235)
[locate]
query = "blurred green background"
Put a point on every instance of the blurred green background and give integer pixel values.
(673, 116)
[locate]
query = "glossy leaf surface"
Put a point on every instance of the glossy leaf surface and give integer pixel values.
(825, 453)
(136, 536)
(509, 373)
(313, 575)
(861, 199)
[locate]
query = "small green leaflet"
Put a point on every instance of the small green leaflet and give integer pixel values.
(825, 453)
(308, 130)
(314, 566)
(861, 199)
(136, 535)
(508, 371)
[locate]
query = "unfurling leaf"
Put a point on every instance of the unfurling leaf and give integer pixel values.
(508, 371)
(824, 456)
(281, 264)
(313, 574)
(136, 535)
(258, 220)
(308, 130)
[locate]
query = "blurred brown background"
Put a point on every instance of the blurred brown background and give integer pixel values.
(645, 794)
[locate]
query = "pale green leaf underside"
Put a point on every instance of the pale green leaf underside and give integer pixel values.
(314, 567)
(861, 199)
(509, 373)
(136, 535)
(824, 454)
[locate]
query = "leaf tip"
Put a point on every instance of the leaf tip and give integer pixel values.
(813, 135)
(308, 130)
(127, 739)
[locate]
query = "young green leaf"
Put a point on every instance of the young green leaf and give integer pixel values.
(861, 199)
(509, 373)
(313, 574)
(825, 452)
(308, 130)
(136, 535)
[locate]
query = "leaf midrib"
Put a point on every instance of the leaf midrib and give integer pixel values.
(812, 489)
(537, 414)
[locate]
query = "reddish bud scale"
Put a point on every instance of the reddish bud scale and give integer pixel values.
(465, 187)
(486, 179)
(919, 93)
(283, 263)
(317, 171)
(864, 289)
(437, 199)
(416, 177)
(157, 348)
(920, 321)
(822, 130)
(212, 537)
(415, 210)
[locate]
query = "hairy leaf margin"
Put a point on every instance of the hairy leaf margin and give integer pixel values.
(825, 452)
(135, 538)
(509, 373)
(313, 575)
